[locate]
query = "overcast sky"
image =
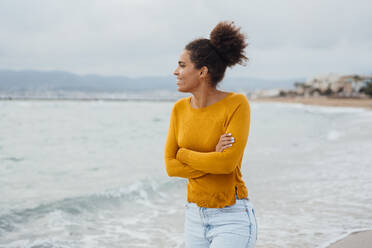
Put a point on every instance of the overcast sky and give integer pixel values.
(287, 38)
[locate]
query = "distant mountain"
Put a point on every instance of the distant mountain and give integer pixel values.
(60, 80)
(26, 81)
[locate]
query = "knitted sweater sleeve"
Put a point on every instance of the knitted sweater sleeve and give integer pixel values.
(173, 166)
(226, 161)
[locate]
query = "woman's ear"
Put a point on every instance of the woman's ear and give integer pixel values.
(203, 72)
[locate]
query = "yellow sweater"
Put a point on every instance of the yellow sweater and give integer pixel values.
(213, 177)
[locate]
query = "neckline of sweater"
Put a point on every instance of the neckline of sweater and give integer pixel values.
(209, 106)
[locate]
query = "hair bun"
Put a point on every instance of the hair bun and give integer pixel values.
(229, 42)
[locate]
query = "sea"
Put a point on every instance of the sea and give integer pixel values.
(91, 174)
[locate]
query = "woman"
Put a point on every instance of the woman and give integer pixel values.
(207, 135)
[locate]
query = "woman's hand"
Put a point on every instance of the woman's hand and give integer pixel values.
(225, 141)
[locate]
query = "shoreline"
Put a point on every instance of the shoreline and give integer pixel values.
(356, 239)
(365, 103)
(321, 101)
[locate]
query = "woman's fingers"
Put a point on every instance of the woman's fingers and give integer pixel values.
(227, 138)
(226, 141)
(225, 135)
(225, 147)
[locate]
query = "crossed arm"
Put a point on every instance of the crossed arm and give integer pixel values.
(226, 161)
(174, 167)
(183, 162)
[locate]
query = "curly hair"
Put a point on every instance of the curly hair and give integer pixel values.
(225, 48)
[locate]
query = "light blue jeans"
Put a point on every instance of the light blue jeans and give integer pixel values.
(233, 226)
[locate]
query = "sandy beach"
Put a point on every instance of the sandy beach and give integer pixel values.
(355, 240)
(321, 101)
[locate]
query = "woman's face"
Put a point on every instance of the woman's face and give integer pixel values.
(188, 77)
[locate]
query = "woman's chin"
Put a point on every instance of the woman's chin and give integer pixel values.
(180, 89)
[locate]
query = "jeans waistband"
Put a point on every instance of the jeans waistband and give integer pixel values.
(238, 202)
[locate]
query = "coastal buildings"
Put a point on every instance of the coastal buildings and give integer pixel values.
(333, 85)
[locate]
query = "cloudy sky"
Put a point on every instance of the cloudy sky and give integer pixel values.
(287, 38)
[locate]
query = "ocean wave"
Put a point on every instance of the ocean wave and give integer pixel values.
(142, 192)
